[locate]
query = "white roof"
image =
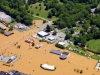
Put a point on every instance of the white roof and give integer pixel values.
(42, 33)
(61, 43)
(97, 66)
(3, 27)
(51, 38)
(13, 57)
(2, 13)
(49, 67)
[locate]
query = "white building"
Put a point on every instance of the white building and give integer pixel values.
(61, 43)
(51, 38)
(48, 67)
(42, 34)
(4, 17)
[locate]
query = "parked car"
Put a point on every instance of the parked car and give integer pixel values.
(38, 46)
(29, 40)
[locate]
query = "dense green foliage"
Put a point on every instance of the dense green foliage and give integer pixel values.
(33, 1)
(17, 9)
(94, 46)
(59, 46)
(70, 12)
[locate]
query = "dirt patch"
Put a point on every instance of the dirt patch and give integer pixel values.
(36, 23)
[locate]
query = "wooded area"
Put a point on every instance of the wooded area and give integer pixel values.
(72, 13)
(17, 9)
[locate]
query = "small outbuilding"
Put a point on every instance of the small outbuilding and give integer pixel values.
(58, 52)
(61, 43)
(51, 38)
(42, 34)
(63, 56)
(5, 17)
(8, 33)
(48, 67)
(2, 27)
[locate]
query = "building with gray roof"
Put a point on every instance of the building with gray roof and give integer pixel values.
(2, 27)
(5, 17)
(4, 73)
(8, 33)
(63, 56)
(15, 72)
(58, 52)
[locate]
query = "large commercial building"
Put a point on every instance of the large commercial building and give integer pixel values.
(4, 17)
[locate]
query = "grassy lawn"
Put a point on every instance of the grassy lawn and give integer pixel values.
(78, 48)
(35, 8)
(94, 45)
(84, 51)
(63, 30)
(36, 18)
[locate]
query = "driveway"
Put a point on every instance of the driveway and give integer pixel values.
(43, 26)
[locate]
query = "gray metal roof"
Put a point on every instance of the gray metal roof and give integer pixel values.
(3, 73)
(58, 52)
(63, 56)
(66, 53)
(8, 33)
(14, 72)
(2, 27)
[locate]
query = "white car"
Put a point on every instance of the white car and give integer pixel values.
(48, 67)
(38, 26)
(38, 46)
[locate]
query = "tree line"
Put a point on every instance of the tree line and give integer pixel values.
(17, 9)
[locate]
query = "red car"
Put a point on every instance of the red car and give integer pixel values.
(29, 40)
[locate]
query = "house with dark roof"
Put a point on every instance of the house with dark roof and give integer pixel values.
(15, 72)
(4, 73)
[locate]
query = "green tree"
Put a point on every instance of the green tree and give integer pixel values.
(68, 36)
(33, 43)
(37, 14)
(50, 15)
(44, 21)
(2, 31)
(81, 71)
(55, 32)
(11, 28)
(48, 29)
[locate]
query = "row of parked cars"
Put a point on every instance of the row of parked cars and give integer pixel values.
(30, 40)
(80, 52)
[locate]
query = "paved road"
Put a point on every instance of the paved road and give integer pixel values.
(40, 17)
(43, 25)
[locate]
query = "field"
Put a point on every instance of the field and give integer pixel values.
(35, 8)
(94, 45)
(31, 58)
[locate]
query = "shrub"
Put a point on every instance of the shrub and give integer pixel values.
(44, 21)
(74, 69)
(37, 14)
(59, 46)
(18, 46)
(77, 70)
(55, 32)
(81, 71)
(11, 28)
(2, 31)
(33, 43)
(40, 4)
